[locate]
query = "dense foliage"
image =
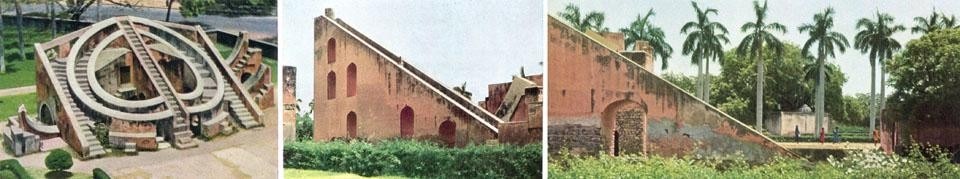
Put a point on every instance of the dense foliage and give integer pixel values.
(415, 159)
(100, 174)
(13, 166)
(304, 127)
(58, 160)
(858, 164)
(925, 77)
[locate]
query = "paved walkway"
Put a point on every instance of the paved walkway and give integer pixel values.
(248, 154)
(18, 91)
(830, 146)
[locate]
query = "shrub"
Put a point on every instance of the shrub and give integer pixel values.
(100, 174)
(58, 160)
(14, 166)
(8, 174)
(415, 159)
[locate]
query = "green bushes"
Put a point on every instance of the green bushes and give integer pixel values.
(13, 166)
(58, 160)
(100, 174)
(932, 163)
(415, 159)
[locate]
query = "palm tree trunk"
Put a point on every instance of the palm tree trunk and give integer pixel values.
(873, 95)
(169, 6)
(700, 80)
(706, 82)
(820, 81)
(883, 94)
(23, 55)
(760, 77)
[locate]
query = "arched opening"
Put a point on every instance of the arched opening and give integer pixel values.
(245, 76)
(331, 85)
(448, 133)
(352, 125)
(331, 50)
(406, 122)
(622, 128)
(46, 115)
(351, 80)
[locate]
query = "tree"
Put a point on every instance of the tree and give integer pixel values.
(703, 43)
(58, 160)
(826, 41)
(462, 89)
(876, 39)
(75, 8)
(936, 21)
(19, 11)
(925, 79)
(593, 20)
(643, 29)
(759, 35)
(682, 81)
(191, 8)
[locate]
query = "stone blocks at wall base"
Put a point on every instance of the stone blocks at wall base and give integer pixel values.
(574, 138)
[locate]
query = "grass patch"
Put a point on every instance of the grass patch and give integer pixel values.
(9, 104)
(299, 173)
(43, 173)
(20, 71)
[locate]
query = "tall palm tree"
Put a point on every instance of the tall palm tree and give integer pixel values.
(754, 43)
(926, 25)
(826, 41)
(593, 20)
(703, 43)
(876, 38)
(643, 29)
(951, 22)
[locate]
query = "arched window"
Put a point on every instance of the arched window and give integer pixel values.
(352, 125)
(448, 133)
(406, 122)
(331, 85)
(331, 50)
(351, 80)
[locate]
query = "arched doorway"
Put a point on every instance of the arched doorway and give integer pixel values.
(448, 133)
(331, 85)
(351, 80)
(622, 127)
(406, 122)
(352, 125)
(46, 115)
(331, 50)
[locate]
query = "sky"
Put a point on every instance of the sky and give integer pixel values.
(477, 42)
(671, 15)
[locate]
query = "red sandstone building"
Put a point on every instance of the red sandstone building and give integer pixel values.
(363, 90)
(603, 98)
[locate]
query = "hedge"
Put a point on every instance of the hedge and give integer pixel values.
(100, 174)
(14, 166)
(415, 159)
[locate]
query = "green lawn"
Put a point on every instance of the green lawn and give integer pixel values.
(9, 104)
(298, 173)
(20, 72)
(225, 51)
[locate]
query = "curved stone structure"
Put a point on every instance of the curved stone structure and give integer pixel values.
(147, 82)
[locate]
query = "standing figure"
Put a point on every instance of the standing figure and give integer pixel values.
(822, 135)
(796, 134)
(836, 134)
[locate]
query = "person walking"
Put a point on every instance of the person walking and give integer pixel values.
(836, 134)
(822, 136)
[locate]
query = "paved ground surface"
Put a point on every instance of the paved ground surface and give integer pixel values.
(261, 27)
(246, 154)
(831, 146)
(18, 91)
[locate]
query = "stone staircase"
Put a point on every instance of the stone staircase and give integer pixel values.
(183, 137)
(240, 112)
(94, 148)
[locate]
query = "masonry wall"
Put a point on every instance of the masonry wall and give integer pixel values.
(382, 91)
(591, 87)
